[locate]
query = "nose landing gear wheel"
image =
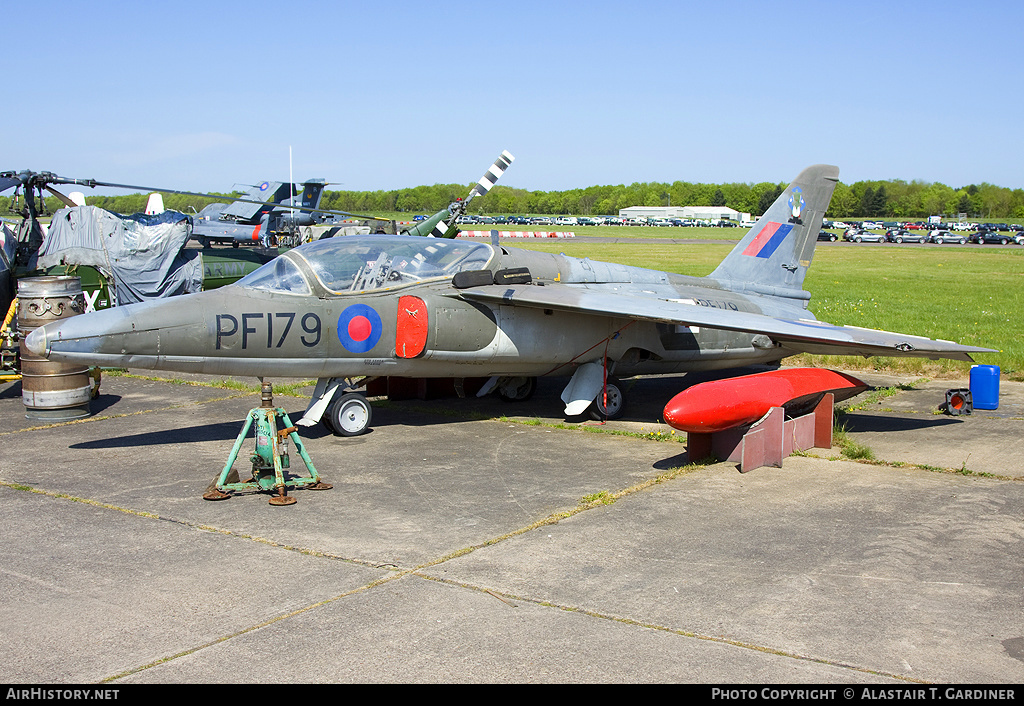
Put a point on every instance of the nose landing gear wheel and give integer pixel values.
(350, 415)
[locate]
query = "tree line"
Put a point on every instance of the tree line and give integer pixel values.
(869, 199)
(894, 199)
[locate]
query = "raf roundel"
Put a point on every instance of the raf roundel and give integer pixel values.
(359, 328)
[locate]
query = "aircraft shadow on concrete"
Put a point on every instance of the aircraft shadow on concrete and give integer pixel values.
(220, 431)
(646, 400)
(873, 423)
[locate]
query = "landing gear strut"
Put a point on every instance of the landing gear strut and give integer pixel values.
(610, 402)
(517, 389)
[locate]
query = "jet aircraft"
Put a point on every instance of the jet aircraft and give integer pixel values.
(267, 209)
(348, 309)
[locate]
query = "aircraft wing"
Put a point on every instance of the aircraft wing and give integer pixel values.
(807, 335)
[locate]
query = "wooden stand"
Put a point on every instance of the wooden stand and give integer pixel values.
(769, 440)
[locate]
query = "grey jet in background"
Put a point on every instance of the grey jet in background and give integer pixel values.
(266, 210)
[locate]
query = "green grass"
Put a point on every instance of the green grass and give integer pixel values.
(971, 295)
(850, 448)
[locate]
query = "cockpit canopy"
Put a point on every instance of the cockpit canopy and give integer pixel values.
(359, 263)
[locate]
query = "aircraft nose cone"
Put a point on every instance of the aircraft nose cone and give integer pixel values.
(80, 338)
(35, 342)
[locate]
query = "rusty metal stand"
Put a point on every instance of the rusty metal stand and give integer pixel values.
(769, 440)
(270, 458)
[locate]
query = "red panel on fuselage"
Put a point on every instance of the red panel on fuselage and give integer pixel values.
(411, 330)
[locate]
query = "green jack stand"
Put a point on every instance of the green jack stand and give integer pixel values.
(270, 460)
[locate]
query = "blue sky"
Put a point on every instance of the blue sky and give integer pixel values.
(379, 95)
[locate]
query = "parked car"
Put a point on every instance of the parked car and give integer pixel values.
(984, 237)
(906, 236)
(857, 235)
(944, 236)
(826, 236)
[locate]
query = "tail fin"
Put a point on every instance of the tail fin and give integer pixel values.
(312, 192)
(774, 255)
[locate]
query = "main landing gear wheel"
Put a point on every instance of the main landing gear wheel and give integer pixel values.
(350, 415)
(616, 405)
(517, 389)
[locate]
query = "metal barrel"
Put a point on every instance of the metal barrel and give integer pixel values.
(53, 392)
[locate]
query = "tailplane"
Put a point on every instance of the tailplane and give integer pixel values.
(774, 255)
(255, 202)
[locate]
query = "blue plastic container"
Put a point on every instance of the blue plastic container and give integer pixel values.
(985, 386)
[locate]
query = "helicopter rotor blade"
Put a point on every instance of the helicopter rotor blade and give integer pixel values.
(61, 197)
(488, 180)
(39, 179)
(214, 196)
(492, 175)
(6, 182)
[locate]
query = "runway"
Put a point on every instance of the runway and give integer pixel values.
(473, 541)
